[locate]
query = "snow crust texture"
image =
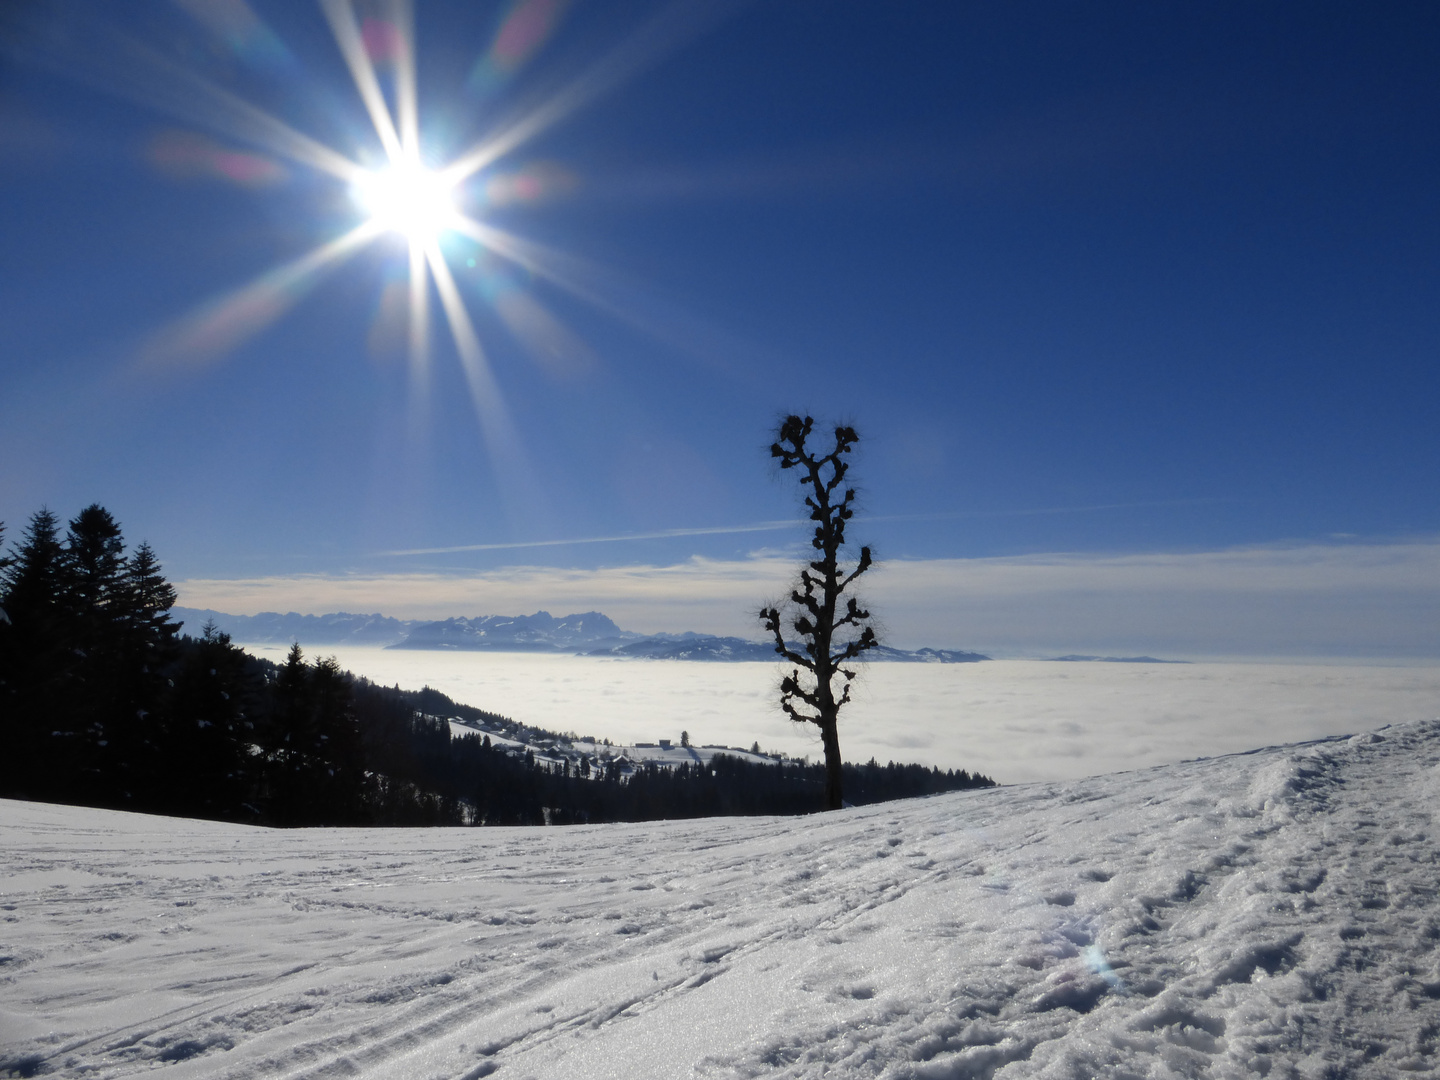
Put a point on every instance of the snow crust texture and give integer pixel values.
(1263, 915)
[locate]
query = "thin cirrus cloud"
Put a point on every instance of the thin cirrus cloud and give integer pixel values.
(1377, 600)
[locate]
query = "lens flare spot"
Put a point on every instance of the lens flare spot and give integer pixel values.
(383, 39)
(535, 183)
(525, 27)
(186, 156)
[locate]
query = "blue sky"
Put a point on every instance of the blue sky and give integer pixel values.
(1111, 281)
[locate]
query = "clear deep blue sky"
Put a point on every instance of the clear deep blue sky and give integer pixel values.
(1120, 278)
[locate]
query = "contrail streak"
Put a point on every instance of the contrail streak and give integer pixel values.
(662, 534)
(775, 526)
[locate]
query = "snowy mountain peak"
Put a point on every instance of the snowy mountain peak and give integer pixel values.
(539, 631)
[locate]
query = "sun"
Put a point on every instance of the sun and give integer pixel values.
(399, 195)
(408, 199)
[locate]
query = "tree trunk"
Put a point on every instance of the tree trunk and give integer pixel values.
(830, 736)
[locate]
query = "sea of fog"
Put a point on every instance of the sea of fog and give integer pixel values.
(1014, 720)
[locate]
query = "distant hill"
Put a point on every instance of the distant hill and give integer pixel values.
(588, 634)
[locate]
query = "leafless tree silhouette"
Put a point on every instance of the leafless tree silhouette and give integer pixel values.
(829, 633)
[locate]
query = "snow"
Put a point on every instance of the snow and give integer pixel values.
(571, 751)
(1269, 914)
(459, 729)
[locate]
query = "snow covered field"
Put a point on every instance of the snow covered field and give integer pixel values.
(1014, 720)
(1272, 914)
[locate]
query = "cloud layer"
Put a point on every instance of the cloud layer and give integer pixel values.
(1358, 600)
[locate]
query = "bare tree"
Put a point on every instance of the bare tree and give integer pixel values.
(829, 634)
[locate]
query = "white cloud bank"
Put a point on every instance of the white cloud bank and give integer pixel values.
(1380, 600)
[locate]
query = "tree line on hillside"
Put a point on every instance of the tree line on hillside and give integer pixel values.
(104, 703)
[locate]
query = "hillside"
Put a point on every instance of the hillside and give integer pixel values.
(1267, 914)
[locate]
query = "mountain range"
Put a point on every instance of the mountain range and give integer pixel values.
(589, 634)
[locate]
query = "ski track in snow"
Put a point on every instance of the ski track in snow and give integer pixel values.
(1272, 914)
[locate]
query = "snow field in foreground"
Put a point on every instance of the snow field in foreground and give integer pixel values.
(1271, 914)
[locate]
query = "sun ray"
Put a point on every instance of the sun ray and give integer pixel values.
(569, 272)
(551, 344)
(407, 106)
(235, 25)
(518, 485)
(606, 290)
(121, 65)
(223, 323)
(352, 46)
(418, 351)
(666, 31)
(536, 258)
(489, 406)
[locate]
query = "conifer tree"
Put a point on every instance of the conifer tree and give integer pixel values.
(148, 600)
(9, 719)
(337, 770)
(315, 761)
(31, 578)
(94, 562)
(203, 759)
(288, 737)
(146, 646)
(34, 664)
(6, 562)
(93, 609)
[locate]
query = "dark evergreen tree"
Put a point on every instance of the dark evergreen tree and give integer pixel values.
(34, 663)
(289, 738)
(830, 635)
(313, 751)
(203, 761)
(9, 720)
(336, 769)
(94, 604)
(94, 562)
(148, 598)
(145, 647)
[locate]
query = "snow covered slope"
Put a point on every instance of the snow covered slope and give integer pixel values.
(1271, 914)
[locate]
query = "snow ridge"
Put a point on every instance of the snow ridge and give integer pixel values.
(1272, 914)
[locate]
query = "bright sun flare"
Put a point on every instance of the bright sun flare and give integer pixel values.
(407, 199)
